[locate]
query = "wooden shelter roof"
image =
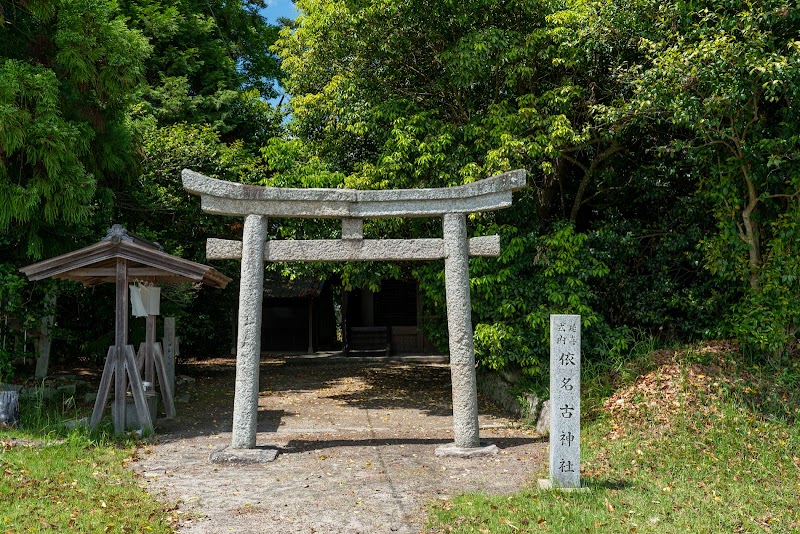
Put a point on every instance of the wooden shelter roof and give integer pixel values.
(96, 264)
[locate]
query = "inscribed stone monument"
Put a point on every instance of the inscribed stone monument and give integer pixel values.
(565, 401)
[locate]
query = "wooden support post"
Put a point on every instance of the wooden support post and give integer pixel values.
(142, 411)
(163, 381)
(151, 358)
(150, 341)
(121, 340)
(311, 326)
(120, 388)
(169, 351)
(105, 387)
(141, 354)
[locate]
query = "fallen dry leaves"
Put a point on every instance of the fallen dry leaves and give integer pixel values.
(673, 386)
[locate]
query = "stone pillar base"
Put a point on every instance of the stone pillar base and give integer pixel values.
(547, 485)
(451, 449)
(231, 456)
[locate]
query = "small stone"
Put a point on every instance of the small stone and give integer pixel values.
(67, 389)
(45, 393)
(184, 381)
(73, 423)
(9, 408)
(531, 407)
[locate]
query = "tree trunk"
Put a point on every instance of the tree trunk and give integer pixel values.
(750, 234)
(547, 191)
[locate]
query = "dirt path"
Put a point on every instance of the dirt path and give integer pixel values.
(356, 445)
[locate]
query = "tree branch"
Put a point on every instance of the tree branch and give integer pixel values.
(587, 175)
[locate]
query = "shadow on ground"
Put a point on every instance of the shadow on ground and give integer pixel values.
(382, 385)
(296, 446)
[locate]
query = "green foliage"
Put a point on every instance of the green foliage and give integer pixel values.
(656, 279)
(660, 142)
(768, 319)
(725, 77)
(409, 94)
(291, 164)
(413, 95)
(210, 62)
(441, 95)
(160, 209)
(11, 303)
(24, 134)
(93, 94)
(203, 109)
(159, 190)
(514, 295)
(68, 71)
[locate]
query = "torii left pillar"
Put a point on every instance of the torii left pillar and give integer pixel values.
(248, 353)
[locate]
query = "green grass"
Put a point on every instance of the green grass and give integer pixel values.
(52, 479)
(699, 445)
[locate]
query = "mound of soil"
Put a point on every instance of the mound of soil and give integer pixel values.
(676, 383)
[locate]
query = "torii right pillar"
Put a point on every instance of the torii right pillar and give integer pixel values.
(462, 350)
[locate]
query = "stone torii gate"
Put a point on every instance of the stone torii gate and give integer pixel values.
(352, 207)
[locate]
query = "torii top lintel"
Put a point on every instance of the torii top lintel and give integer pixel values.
(229, 198)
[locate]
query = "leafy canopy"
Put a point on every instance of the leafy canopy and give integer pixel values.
(68, 72)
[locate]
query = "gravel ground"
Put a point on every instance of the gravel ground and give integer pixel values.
(356, 445)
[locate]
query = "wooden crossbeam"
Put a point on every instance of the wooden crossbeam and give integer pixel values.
(133, 272)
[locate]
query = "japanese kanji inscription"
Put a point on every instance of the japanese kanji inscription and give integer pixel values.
(565, 389)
